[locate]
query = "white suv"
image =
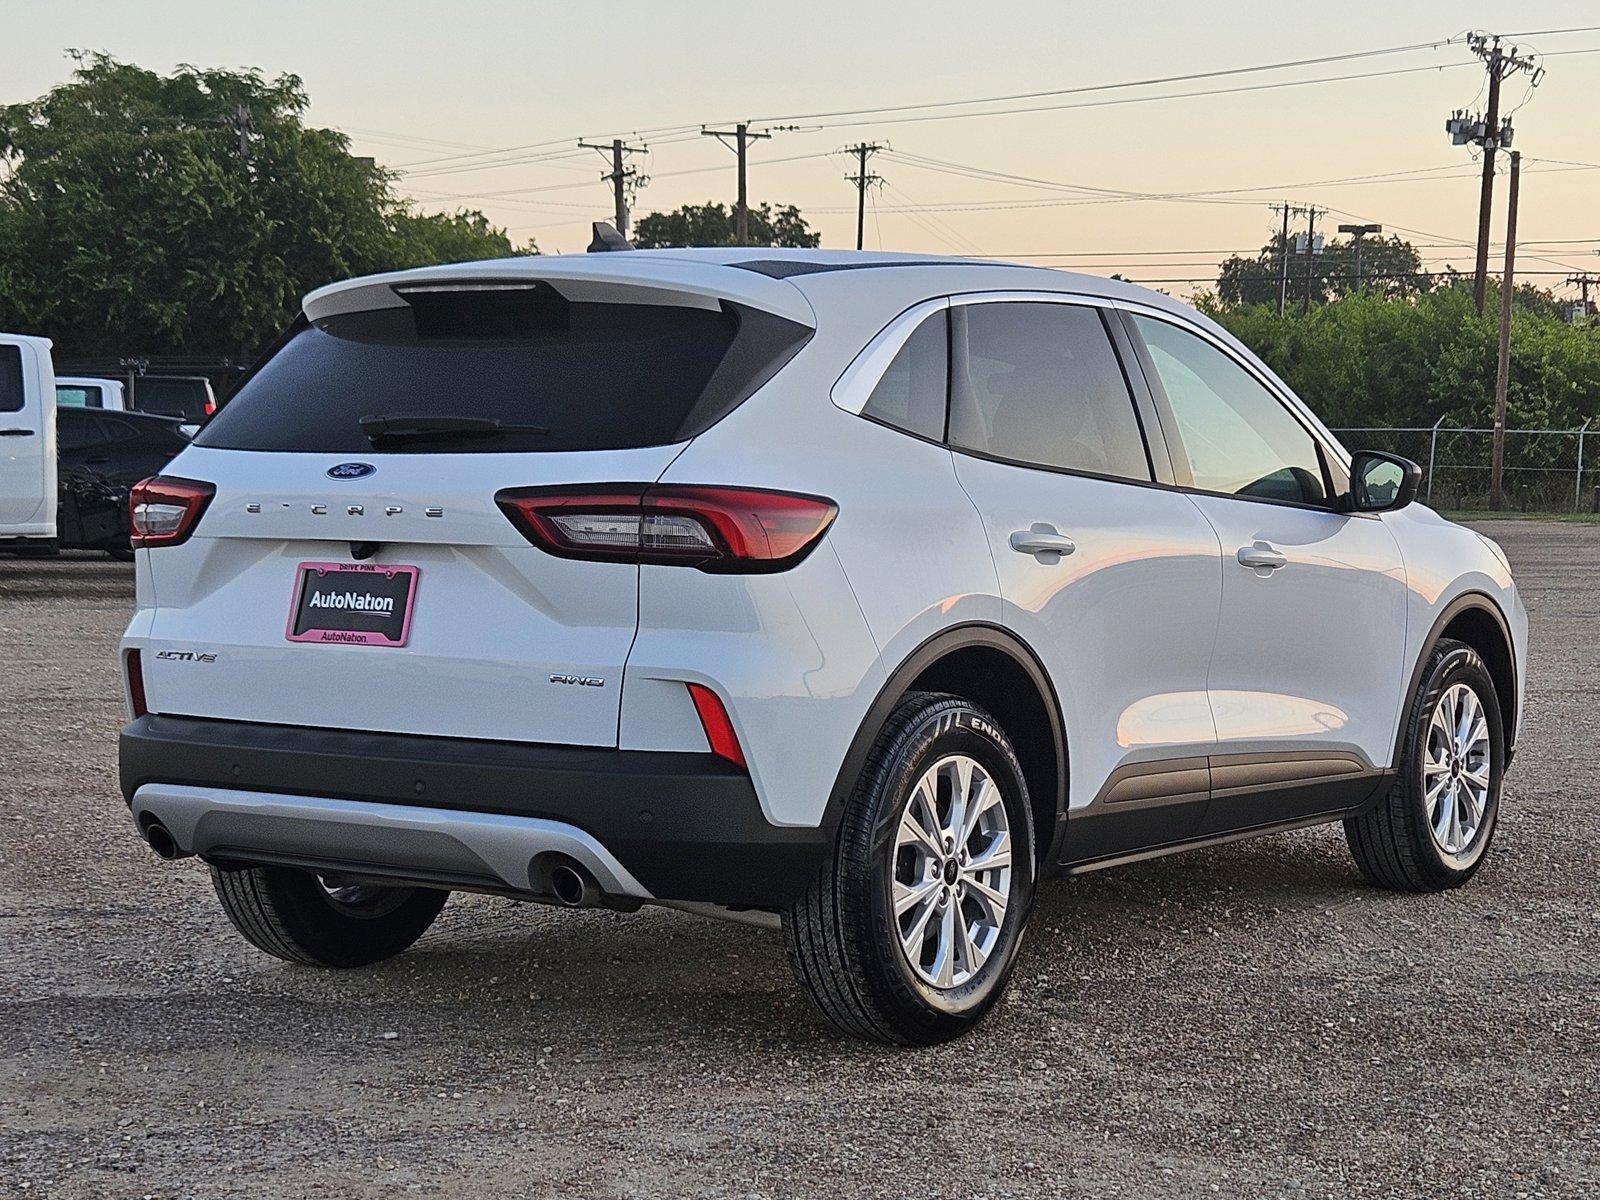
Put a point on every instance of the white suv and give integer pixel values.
(856, 593)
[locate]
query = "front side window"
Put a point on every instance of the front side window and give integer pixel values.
(10, 378)
(1239, 438)
(1039, 383)
(911, 395)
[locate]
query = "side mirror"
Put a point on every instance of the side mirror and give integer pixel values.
(1381, 482)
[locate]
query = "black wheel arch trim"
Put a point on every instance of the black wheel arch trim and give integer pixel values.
(1466, 602)
(941, 644)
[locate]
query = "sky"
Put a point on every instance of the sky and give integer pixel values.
(480, 104)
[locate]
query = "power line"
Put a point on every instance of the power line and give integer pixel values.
(1261, 87)
(1131, 83)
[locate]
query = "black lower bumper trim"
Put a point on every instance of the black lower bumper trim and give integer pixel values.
(687, 826)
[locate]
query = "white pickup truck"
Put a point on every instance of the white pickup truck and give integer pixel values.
(27, 443)
(89, 391)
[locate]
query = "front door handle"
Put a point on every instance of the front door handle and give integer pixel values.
(16, 433)
(1261, 557)
(1042, 539)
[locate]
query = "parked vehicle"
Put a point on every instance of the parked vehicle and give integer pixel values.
(27, 444)
(188, 397)
(87, 391)
(102, 455)
(850, 593)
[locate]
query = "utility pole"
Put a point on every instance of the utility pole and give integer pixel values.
(619, 177)
(1283, 265)
(1491, 133)
(1357, 233)
(861, 179)
(1313, 248)
(741, 135)
(1503, 369)
(1584, 281)
(243, 127)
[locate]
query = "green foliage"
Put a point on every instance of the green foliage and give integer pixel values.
(712, 224)
(1369, 361)
(1389, 267)
(132, 223)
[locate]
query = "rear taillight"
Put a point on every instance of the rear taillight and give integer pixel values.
(210, 407)
(163, 510)
(135, 670)
(712, 528)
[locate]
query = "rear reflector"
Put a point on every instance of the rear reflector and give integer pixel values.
(135, 671)
(163, 510)
(712, 528)
(714, 720)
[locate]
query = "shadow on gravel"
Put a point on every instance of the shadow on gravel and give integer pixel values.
(501, 974)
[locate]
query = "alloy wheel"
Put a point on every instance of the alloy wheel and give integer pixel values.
(1456, 769)
(951, 872)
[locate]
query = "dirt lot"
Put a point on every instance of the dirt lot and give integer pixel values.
(1246, 1021)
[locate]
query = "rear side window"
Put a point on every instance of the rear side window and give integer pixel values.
(76, 429)
(555, 375)
(913, 391)
(1040, 384)
(10, 378)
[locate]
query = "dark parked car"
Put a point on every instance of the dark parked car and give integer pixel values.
(102, 455)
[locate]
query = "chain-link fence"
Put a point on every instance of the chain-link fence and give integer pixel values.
(1546, 470)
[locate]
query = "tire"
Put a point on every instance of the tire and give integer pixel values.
(120, 553)
(843, 936)
(290, 914)
(1395, 843)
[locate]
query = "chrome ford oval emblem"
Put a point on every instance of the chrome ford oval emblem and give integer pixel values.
(351, 470)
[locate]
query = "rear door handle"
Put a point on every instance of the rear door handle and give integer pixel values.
(1261, 557)
(1042, 539)
(16, 433)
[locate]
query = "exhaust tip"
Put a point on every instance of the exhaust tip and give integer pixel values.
(161, 841)
(573, 886)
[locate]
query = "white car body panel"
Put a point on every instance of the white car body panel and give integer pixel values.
(28, 446)
(1274, 685)
(1124, 624)
(494, 617)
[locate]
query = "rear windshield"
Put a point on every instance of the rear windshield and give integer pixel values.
(171, 395)
(556, 375)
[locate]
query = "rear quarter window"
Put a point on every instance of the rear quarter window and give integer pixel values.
(559, 375)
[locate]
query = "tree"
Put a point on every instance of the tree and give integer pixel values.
(711, 224)
(1390, 267)
(142, 216)
(1369, 361)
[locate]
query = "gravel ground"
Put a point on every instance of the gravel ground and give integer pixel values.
(1245, 1021)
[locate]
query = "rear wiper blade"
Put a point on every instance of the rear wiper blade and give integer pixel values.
(438, 425)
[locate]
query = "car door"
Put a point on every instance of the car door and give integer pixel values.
(1110, 576)
(25, 475)
(1306, 673)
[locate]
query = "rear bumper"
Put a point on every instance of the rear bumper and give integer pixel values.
(665, 826)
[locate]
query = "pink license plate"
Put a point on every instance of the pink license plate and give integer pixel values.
(352, 604)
